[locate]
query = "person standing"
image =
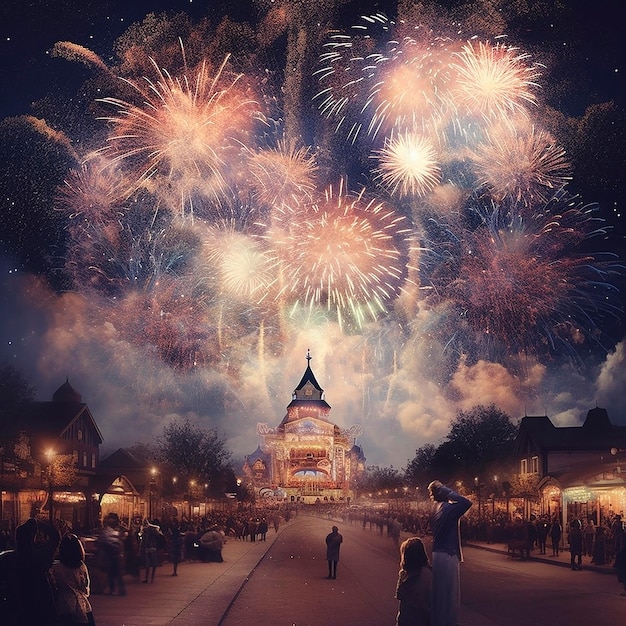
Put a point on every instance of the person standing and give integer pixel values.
(446, 553)
(110, 554)
(72, 583)
(620, 568)
(575, 540)
(617, 533)
(175, 546)
(555, 535)
(333, 542)
(149, 547)
(414, 585)
(32, 601)
(589, 535)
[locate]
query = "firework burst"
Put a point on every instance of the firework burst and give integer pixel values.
(343, 255)
(493, 80)
(283, 175)
(522, 162)
(187, 130)
(244, 269)
(408, 165)
(525, 284)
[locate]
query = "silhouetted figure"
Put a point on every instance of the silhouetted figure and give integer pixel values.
(620, 568)
(599, 546)
(446, 553)
(589, 533)
(32, 601)
(149, 548)
(555, 535)
(211, 544)
(72, 583)
(333, 542)
(575, 540)
(175, 546)
(542, 535)
(109, 547)
(414, 585)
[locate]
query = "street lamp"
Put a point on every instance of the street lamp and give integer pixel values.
(153, 472)
(50, 456)
(495, 493)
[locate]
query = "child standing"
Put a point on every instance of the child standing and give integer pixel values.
(72, 582)
(414, 584)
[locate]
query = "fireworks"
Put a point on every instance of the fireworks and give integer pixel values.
(522, 162)
(342, 254)
(187, 130)
(493, 80)
(214, 243)
(408, 165)
(524, 282)
(283, 174)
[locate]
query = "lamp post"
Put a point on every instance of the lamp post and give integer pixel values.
(192, 484)
(50, 457)
(495, 493)
(153, 472)
(478, 493)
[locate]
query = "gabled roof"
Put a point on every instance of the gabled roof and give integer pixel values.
(122, 459)
(53, 418)
(596, 433)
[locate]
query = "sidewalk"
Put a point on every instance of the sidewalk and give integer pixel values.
(563, 560)
(200, 594)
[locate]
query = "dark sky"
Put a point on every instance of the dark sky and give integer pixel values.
(53, 341)
(29, 28)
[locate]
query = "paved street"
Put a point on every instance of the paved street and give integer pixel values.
(283, 582)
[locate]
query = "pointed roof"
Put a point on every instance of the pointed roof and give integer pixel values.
(308, 390)
(66, 393)
(309, 377)
(53, 418)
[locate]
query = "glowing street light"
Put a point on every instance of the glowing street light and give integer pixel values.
(50, 456)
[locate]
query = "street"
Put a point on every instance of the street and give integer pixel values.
(283, 583)
(289, 586)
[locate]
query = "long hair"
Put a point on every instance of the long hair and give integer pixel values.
(413, 555)
(71, 551)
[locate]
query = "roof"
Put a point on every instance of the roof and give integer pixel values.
(308, 392)
(596, 433)
(122, 459)
(53, 418)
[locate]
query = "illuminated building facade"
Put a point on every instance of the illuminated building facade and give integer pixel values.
(306, 457)
(579, 471)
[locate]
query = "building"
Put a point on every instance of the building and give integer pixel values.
(49, 467)
(577, 470)
(306, 457)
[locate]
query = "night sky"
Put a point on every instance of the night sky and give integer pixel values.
(384, 377)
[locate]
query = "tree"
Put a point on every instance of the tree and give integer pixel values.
(418, 472)
(15, 394)
(479, 440)
(378, 479)
(195, 453)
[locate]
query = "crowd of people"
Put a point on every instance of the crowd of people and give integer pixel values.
(48, 562)
(47, 576)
